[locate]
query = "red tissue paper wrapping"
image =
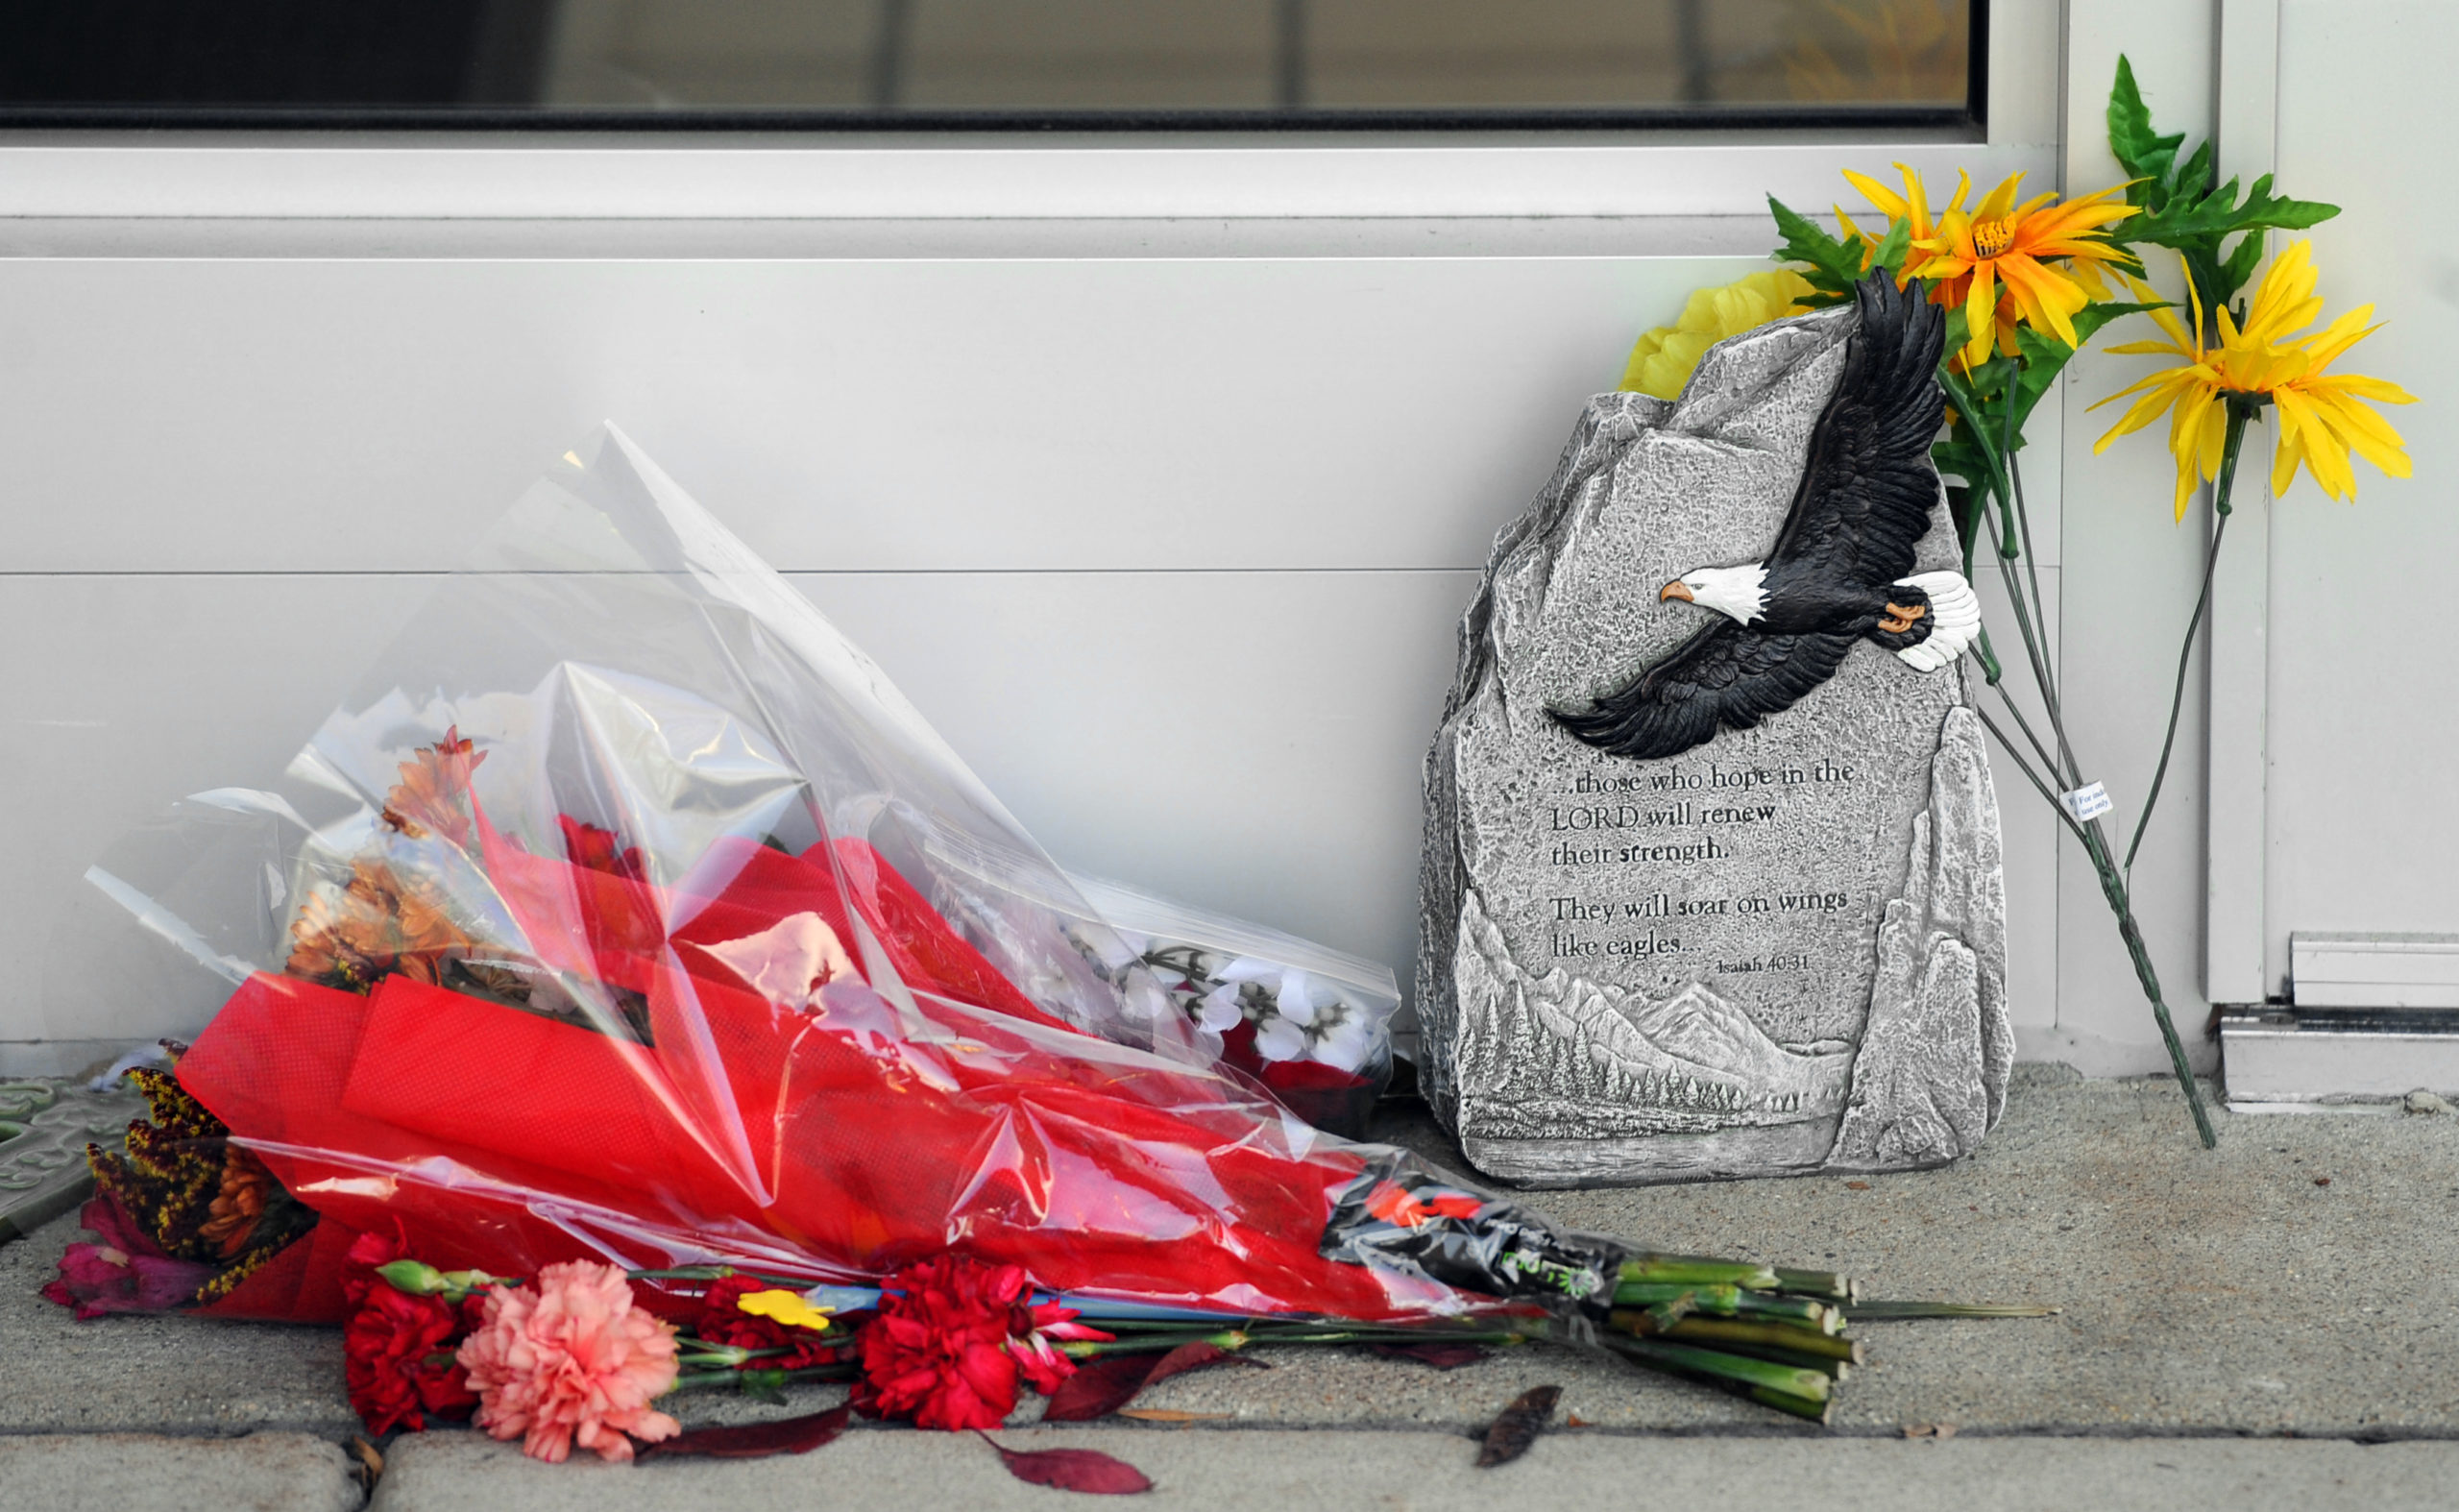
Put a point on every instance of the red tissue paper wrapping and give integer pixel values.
(626, 912)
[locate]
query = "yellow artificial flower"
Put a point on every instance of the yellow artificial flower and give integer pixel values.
(2323, 416)
(784, 1306)
(1664, 358)
(1913, 204)
(2001, 243)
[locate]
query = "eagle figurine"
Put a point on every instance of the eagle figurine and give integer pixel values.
(1840, 571)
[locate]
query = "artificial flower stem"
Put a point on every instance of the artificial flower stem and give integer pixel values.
(2093, 836)
(1675, 1270)
(2239, 415)
(1803, 1393)
(1831, 1285)
(2032, 573)
(1232, 1339)
(1719, 1332)
(717, 1273)
(1728, 1301)
(696, 1380)
(2113, 887)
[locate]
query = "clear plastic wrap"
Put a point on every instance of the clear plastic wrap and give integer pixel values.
(626, 912)
(1312, 1024)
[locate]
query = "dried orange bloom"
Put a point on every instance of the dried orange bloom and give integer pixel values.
(434, 793)
(239, 1204)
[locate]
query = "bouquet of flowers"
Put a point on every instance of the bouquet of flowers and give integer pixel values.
(626, 987)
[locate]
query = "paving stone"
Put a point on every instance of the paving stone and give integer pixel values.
(1432, 1473)
(141, 1472)
(2202, 1292)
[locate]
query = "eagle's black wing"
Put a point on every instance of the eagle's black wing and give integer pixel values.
(1867, 490)
(1724, 677)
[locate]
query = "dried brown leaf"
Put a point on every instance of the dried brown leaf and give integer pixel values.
(1517, 1425)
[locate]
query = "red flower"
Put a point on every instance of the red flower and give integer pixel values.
(396, 1349)
(599, 851)
(952, 1335)
(128, 1271)
(722, 1322)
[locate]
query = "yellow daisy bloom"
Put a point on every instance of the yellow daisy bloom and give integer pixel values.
(1912, 205)
(2321, 414)
(2000, 242)
(1664, 358)
(784, 1306)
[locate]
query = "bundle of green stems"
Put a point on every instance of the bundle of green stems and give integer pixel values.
(1775, 1336)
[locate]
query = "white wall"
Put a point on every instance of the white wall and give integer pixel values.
(2364, 813)
(1171, 549)
(1166, 522)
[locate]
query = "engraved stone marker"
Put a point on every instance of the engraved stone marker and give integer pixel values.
(1668, 937)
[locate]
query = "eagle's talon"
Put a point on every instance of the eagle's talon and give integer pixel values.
(1898, 619)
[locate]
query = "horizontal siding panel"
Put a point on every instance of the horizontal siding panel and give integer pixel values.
(1246, 741)
(366, 415)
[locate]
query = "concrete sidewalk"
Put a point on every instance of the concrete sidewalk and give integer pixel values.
(2300, 1283)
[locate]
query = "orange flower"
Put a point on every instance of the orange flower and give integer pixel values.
(2001, 243)
(374, 925)
(239, 1204)
(434, 790)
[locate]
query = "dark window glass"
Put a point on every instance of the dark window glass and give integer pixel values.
(993, 64)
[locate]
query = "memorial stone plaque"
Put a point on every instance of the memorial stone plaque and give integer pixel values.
(1712, 882)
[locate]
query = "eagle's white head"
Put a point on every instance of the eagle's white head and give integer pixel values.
(1736, 592)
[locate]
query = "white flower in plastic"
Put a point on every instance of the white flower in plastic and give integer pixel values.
(1221, 1012)
(1279, 1039)
(1344, 1043)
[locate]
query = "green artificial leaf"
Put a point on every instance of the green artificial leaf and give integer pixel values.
(763, 1385)
(2045, 357)
(2201, 223)
(1894, 247)
(1833, 265)
(2180, 208)
(2238, 267)
(2194, 177)
(2144, 154)
(1961, 460)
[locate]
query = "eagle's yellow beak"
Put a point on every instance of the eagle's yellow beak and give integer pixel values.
(1676, 589)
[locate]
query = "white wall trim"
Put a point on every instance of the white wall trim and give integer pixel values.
(463, 181)
(539, 176)
(2236, 753)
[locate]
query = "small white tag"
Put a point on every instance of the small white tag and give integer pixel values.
(2087, 802)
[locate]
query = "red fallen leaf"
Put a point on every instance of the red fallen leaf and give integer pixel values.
(1086, 1469)
(1442, 1356)
(757, 1440)
(1109, 1383)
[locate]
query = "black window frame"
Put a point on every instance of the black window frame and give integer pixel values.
(1969, 121)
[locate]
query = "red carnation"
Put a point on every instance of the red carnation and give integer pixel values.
(723, 1321)
(396, 1349)
(949, 1339)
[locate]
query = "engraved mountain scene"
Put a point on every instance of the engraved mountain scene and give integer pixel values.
(1559, 1053)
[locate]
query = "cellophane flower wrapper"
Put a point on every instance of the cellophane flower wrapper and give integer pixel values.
(625, 911)
(1312, 1024)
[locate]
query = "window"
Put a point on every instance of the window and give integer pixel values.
(996, 64)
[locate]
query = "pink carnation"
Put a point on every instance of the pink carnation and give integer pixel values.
(571, 1362)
